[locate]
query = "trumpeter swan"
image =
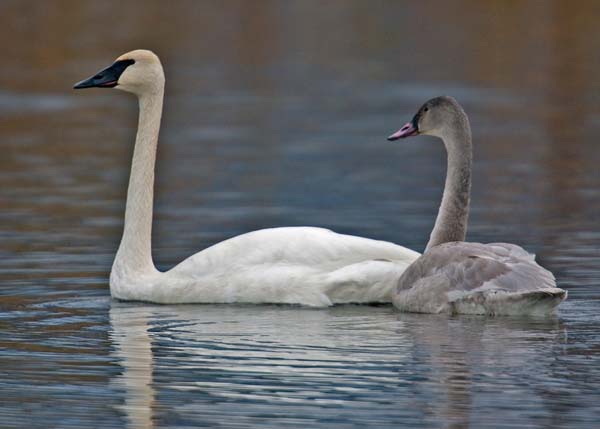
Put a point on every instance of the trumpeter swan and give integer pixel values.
(458, 277)
(300, 265)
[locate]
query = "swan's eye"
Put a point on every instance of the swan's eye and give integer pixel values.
(426, 109)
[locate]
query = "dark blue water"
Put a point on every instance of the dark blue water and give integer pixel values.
(276, 115)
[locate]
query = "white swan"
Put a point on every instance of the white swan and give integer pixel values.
(457, 277)
(309, 266)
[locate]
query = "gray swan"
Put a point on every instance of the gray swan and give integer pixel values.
(454, 276)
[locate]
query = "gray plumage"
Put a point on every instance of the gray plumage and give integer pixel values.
(454, 276)
(461, 277)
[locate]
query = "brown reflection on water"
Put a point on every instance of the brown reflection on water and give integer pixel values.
(570, 103)
(499, 43)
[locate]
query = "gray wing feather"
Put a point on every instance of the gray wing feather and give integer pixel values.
(468, 266)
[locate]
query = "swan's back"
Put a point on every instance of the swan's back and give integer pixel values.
(307, 246)
(298, 265)
(475, 278)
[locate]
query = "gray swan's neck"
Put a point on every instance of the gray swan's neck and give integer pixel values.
(135, 250)
(451, 222)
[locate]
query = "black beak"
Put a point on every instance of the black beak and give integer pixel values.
(107, 78)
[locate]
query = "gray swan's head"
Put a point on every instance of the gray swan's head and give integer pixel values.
(436, 117)
(137, 72)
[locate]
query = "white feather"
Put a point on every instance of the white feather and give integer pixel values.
(301, 265)
(308, 266)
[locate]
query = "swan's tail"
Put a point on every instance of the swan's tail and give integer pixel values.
(500, 302)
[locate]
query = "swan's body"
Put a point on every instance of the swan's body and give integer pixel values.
(300, 265)
(309, 266)
(454, 276)
(475, 278)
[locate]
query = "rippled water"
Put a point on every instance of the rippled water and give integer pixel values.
(276, 115)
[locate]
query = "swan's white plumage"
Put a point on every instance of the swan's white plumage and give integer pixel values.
(296, 265)
(308, 266)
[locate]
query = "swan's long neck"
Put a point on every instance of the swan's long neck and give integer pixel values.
(451, 222)
(135, 250)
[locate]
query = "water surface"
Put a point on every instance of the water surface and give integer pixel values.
(276, 115)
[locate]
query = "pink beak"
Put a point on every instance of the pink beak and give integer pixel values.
(406, 131)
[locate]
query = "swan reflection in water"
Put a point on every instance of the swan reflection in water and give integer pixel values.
(473, 361)
(132, 346)
(346, 364)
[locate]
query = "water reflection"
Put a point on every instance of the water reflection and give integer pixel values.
(469, 355)
(132, 347)
(190, 363)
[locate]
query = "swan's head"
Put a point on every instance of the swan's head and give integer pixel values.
(137, 71)
(435, 118)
